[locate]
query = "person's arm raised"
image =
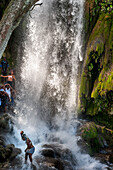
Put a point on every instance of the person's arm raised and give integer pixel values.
(3, 76)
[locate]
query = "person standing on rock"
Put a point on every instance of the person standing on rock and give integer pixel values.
(30, 148)
(11, 79)
(4, 97)
(4, 65)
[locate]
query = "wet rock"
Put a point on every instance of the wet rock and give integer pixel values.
(95, 136)
(17, 162)
(59, 151)
(6, 165)
(49, 163)
(8, 152)
(2, 142)
(48, 152)
(10, 146)
(57, 163)
(5, 121)
(2, 154)
(55, 156)
(5, 153)
(14, 153)
(111, 158)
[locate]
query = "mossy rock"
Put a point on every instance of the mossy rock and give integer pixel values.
(10, 146)
(91, 108)
(3, 157)
(91, 136)
(96, 136)
(97, 75)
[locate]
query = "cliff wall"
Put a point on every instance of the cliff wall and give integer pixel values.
(96, 89)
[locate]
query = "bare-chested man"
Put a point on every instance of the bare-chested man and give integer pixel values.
(30, 148)
(11, 78)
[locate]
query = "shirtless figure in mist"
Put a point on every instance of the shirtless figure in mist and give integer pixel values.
(30, 148)
(10, 77)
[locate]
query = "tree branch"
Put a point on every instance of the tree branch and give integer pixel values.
(11, 19)
(34, 6)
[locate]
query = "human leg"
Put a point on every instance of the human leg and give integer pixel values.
(30, 152)
(30, 157)
(26, 156)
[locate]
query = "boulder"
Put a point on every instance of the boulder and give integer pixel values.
(8, 152)
(59, 151)
(2, 154)
(55, 156)
(48, 152)
(14, 153)
(49, 163)
(4, 123)
(10, 146)
(97, 137)
(2, 142)
(111, 158)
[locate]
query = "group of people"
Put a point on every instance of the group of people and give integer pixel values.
(7, 95)
(7, 92)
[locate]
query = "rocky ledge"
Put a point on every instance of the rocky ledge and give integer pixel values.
(7, 152)
(54, 156)
(97, 141)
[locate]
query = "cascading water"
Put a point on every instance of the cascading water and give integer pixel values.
(46, 105)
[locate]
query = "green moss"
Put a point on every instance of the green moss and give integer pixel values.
(96, 90)
(100, 48)
(99, 60)
(92, 137)
(104, 119)
(83, 88)
(104, 84)
(92, 108)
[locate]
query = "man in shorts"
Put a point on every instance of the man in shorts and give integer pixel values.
(30, 148)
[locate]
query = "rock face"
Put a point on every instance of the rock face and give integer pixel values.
(7, 152)
(3, 5)
(97, 140)
(111, 158)
(96, 90)
(55, 157)
(5, 123)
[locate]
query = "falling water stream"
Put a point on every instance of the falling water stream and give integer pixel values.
(46, 108)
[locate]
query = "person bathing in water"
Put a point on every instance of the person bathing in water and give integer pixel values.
(30, 148)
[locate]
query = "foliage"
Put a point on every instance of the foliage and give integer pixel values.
(104, 119)
(96, 136)
(105, 84)
(103, 6)
(93, 138)
(107, 6)
(96, 90)
(94, 64)
(98, 109)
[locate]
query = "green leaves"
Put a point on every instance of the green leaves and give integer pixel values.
(96, 1)
(104, 6)
(90, 67)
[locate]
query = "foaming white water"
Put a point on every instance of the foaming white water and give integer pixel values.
(46, 108)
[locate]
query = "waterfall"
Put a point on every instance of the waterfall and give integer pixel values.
(46, 108)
